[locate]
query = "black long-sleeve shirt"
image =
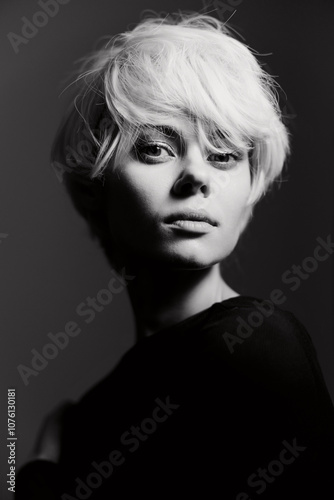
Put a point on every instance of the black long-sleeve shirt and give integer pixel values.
(229, 403)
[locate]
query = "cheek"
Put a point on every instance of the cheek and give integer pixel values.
(130, 200)
(235, 211)
(235, 196)
(138, 189)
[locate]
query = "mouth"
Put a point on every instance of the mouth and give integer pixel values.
(192, 215)
(198, 221)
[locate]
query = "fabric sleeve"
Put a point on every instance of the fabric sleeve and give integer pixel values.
(275, 369)
(44, 479)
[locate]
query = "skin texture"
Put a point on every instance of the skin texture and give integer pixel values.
(177, 272)
(142, 191)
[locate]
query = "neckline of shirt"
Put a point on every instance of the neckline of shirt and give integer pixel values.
(171, 330)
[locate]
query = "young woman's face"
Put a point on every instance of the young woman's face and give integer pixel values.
(172, 203)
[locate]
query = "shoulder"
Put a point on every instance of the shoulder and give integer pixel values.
(257, 335)
(251, 321)
(259, 339)
(269, 349)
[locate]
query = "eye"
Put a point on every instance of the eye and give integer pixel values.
(227, 160)
(153, 152)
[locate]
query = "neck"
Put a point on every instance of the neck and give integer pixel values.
(163, 297)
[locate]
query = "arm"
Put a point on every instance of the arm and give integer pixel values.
(41, 477)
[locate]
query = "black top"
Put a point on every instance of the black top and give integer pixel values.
(230, 403)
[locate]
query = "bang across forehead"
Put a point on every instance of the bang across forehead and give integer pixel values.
(206, 79)
(157, 79)
(185, 66)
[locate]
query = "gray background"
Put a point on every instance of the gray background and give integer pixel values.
(48, 263)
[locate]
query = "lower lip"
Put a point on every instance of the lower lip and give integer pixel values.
(192, 226)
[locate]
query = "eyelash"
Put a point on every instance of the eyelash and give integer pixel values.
(140, 148)
(142, 156)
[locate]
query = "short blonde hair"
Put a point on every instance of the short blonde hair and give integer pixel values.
(184, 65)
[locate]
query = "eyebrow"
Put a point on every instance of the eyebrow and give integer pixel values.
(176, 133)
(167, 130)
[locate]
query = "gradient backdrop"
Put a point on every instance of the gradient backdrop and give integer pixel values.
(48, 263)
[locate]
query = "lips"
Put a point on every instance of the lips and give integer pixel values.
(192, 215)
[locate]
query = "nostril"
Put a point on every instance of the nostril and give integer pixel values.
(190, 183)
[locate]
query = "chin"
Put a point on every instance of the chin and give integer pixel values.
(186, 260)
(188, 255)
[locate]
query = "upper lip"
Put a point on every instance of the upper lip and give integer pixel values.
(188, 214)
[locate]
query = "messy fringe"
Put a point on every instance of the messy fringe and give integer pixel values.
(183, 65)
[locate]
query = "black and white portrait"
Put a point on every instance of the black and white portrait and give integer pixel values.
(167, 247)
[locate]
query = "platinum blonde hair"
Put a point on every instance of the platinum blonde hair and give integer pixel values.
(184, 65)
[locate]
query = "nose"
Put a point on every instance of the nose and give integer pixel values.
(195, 174)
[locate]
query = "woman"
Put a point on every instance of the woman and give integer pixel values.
(174, 134)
